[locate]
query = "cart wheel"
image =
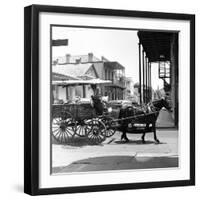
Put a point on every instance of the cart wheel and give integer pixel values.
(81, 128)
(96, 131)
(110, 126)
(63, 126)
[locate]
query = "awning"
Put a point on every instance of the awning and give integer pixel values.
(81, 82)
(156, 44)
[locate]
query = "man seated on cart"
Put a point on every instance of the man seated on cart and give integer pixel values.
(97, 102)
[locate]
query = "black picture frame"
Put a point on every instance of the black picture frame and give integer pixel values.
(31, 98)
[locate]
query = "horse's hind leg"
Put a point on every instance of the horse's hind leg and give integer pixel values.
(143, 136)
(154, 132)
(124, 135)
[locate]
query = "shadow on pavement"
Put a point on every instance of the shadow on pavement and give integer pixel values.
(107, 163)
(138, 142)
(79, 142)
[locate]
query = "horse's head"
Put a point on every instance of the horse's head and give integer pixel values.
(166, 104)
(159, 104)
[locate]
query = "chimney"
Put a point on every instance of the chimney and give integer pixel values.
(78, 60)
(104, 59)
(90, 57)
(68, 58)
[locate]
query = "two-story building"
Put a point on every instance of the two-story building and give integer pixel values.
(99, 68)
(114, 72)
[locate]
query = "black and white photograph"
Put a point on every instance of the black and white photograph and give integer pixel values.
(114, 99)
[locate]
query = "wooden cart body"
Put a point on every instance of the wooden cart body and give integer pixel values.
(79, 111)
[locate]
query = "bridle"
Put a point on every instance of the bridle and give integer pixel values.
(151, 107)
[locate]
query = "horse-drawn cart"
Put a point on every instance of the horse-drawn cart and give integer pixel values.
(73, 120)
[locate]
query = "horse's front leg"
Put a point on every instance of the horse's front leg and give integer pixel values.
(144, 133)
(154, 132)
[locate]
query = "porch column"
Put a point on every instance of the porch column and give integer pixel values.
(73, 92)
(84, 92)
(150, 91)
(143, 93)
(148, 77)
(146, 64)
(140, 87)
(67, 95)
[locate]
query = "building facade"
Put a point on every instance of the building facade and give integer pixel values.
(90, 67)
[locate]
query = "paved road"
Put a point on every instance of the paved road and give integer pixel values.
(114, 154)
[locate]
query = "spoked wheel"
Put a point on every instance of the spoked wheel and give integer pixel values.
(81, 128)
(96, 131)
(110, 126)
(63, 127)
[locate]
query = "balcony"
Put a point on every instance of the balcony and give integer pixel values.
(119, 81)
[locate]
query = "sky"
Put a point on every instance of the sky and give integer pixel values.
(115, 45)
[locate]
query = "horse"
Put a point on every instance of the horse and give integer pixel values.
(153, 107)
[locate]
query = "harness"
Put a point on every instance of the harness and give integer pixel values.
(150, 107)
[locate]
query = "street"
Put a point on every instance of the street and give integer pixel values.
(114, 154)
